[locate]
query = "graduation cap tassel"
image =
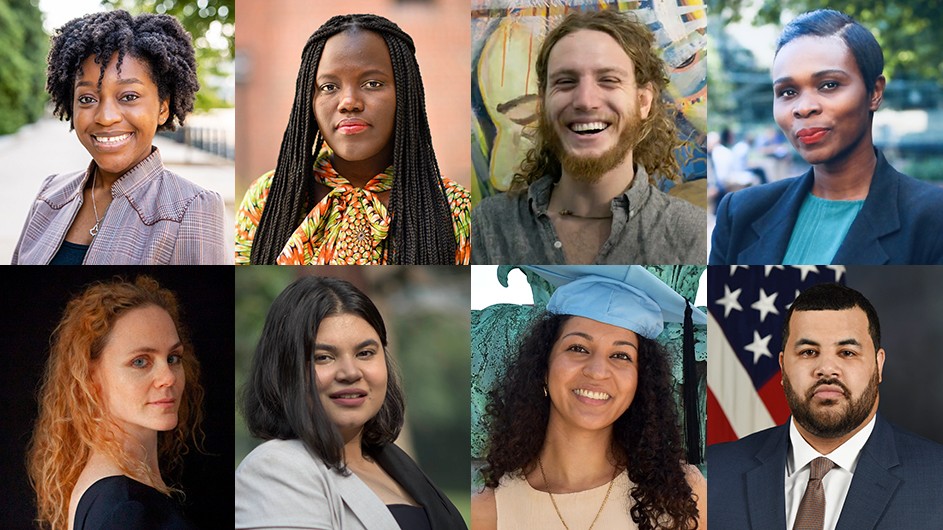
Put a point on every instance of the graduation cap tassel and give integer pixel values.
(692, 416)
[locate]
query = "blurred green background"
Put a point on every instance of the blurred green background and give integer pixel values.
(426, 314)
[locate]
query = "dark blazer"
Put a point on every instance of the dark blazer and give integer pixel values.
(901, 222)
(897, 483)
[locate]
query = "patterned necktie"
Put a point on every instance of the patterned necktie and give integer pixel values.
(811, 515)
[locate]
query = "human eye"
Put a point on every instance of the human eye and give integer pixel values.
(829, 85)
(807, 353)
(140, 362)
(622, 356)
(609, 80)
(366, 354)
(129, 97)
(85, 100)
(848, 353)
(322, 358)
(374, 84)
(328, 88)
(174, 358)
(577, 348)
(787, 92)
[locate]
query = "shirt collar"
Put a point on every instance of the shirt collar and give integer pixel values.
(844, 456)
(538, 193)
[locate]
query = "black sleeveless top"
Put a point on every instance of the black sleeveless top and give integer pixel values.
(70, 254)
(119, 502)
(410, 517)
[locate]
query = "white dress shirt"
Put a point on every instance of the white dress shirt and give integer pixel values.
(836, 481)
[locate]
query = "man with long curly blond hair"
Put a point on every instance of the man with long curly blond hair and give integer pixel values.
(119, 403)
(584, 192)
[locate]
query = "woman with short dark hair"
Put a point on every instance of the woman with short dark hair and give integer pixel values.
(851, 207)
(118, 79)
(324, 393)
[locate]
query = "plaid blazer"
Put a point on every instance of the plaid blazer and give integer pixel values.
(156, 217)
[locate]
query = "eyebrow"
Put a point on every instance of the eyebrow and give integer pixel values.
(843, 342)
(573, 72)
(816, 75)
(121, 81)
(371, 71)
(152, 350)
(333, 349)
(589, 337)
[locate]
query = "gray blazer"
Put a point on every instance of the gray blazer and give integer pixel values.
(281, 485)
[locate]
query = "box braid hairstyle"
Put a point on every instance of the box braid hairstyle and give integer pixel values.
(421, 231)
(157, 40)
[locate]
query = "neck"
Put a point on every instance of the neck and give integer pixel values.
(353, 451)
(360, 172)
(577, 461)
(827, 445)
(140, 446)
(847, 178)
(101, 182)
(592, 199)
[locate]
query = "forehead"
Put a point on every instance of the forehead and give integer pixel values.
(345, 326)
(353, 50)
(599, 331)
(588, 50)
(149, 326)
(828, 327)
(131, 67)
(804, 56)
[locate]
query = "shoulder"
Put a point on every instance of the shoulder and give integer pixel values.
(57, 190)
(742, 450)
(275, 456)
(169, 197)
(122, 502)
(917, 194)
(917, 449)
(495, 209)
(484, 510)
(685, 213)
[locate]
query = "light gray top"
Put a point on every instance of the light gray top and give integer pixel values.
(648, 227)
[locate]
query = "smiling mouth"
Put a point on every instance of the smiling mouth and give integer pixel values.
(593, 127)
(598, 396)
(111, 140)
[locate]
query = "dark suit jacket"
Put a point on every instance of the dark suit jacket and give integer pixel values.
(897, 484)
(901, 222)
(442, 513)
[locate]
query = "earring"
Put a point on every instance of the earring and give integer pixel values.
(545, 390)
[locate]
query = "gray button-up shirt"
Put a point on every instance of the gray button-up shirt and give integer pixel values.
(648, 227)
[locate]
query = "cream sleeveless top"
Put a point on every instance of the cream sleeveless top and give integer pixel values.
(521, 506)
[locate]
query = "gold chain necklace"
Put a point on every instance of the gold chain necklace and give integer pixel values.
(555, 507)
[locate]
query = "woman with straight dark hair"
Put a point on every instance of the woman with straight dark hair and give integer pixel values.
(851, 207)
(375, 194)
(325, 394)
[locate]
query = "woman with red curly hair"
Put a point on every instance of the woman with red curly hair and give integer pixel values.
(119, 400)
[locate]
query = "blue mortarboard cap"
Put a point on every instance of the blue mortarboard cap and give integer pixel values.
(627, 296)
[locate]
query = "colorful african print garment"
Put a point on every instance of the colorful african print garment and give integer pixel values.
(349, 226)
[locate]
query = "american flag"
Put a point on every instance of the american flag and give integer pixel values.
(746, 307)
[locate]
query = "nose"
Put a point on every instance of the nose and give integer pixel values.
(805, 106)
(596, 367)
(827, 367)
(351, 100)
(108, 112)
(585, 96)
(347, 370)
(166, 375)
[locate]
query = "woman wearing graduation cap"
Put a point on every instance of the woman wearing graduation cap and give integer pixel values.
(583, 430)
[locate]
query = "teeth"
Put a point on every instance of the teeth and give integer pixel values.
(601, 396)
(113, 139)
(585, 127)
(348, 396)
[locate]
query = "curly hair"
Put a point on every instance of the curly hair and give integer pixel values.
(646, 438)
(657, 137)
(159, 41)
(421, 230)
(280, 397)
(73, 419)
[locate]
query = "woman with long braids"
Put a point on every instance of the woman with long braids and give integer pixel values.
(119, 403)
(582, 428)
(118, 79)
(357, 180)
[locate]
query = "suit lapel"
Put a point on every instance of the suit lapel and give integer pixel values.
(879, 216)
(365, 504)
(766, 501)
(774, 228)
(873, 485)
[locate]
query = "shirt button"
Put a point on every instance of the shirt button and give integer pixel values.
(557, 244)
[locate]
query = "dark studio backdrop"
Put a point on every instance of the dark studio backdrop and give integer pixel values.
(33, 299)
(909, 303)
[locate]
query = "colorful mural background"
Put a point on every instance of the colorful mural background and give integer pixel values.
(506, 35)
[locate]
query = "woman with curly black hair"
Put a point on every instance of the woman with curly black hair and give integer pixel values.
(583, 430)
(119, 79)
(375, 195)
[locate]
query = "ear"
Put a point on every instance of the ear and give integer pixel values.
(877, 96)
(880, 361)
(781, 368)
(646, 95)
(164, 112)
